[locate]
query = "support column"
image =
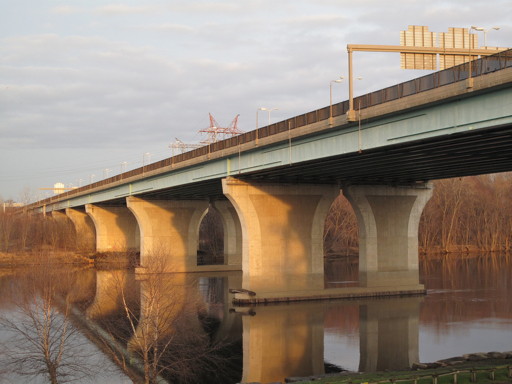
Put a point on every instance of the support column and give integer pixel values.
(84, 227)
(169, 231)
(116, 228)
(59, 216)
(388, 219)
(282, 230)
(232, 233)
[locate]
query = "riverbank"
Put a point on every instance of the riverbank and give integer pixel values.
(21, 259)
(40, 257)
(491, 367)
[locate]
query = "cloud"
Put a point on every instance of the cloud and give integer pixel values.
(115, 80)
(66, 9)
(168, 27)
(122, 9)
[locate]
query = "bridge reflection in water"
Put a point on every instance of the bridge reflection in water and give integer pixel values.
(276, 341)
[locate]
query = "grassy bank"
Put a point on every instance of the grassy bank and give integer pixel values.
(40, 257)
(18, 259)
(485, 371)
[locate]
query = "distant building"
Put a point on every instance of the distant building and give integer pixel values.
(10, 205)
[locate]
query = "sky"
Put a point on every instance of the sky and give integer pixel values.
(89, 88)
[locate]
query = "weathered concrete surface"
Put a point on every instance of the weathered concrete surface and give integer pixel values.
(169, 231)
(282, 230)
(116, 228)
(388, 219)
(84, 227)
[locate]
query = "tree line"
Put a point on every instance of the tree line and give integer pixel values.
(467, 214)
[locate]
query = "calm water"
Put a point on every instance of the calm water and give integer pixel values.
(468, 308)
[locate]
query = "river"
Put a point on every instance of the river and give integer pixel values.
(204, 339)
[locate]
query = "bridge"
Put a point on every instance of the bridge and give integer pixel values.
(273, 186)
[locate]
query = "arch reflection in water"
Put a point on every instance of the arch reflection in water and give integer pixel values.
(280, 341)
(389, 334)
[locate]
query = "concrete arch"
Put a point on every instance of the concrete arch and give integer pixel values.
(169, 232)
(116, 228)
(282, 229)
(210, 248)
(388, 219)
(84, 227)
(232, 232)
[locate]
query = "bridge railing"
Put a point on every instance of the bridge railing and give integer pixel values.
(438, 79)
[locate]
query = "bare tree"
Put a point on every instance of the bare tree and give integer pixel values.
(341, 230)
(211, 235)
(43, 341)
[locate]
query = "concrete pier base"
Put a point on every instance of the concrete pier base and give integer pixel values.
(84, 226)
(388, 219)
(282, 231)
(169, 233)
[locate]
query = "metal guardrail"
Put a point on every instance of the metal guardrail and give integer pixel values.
(438, 79)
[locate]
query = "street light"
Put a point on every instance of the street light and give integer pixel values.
(330, 96)
(268, 111)
(144, 159)
(485, 30)
(470, 69)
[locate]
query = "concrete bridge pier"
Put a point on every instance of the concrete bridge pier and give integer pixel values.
(116, 228)
(58, 216)
(169, 232)
(388, 219)
(282, 230)
(84, 227)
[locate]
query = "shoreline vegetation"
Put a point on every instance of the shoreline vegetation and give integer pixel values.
(67, 258)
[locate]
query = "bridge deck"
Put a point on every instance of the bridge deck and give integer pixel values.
(413, 153)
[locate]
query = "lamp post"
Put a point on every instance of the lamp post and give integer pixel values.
(268, 111)
(470, 69)
(351, 114)
(485, 30)
(144, 160)
(123, 168)
(330, 96)
(479, 29)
